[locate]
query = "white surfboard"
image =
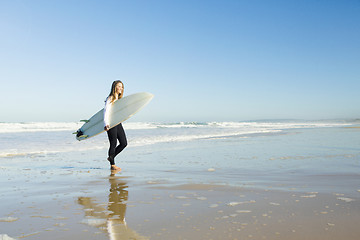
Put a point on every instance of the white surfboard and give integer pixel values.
(120, 111)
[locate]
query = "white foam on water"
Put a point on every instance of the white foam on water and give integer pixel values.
(8, 219)
(73, 126)
(38, 127)
(5, 237)
(345, 199)
(32, 138)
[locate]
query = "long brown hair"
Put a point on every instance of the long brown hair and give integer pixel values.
(112, 92)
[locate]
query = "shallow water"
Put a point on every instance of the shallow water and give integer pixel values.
(291, 157)
(22, 139)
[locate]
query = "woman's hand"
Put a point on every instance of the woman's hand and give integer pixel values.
(106, 128)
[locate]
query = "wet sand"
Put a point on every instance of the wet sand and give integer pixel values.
(116, 207)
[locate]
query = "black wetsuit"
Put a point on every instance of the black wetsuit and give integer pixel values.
(115, 134)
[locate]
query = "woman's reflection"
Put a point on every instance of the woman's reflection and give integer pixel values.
(117, 199)
(112, 219)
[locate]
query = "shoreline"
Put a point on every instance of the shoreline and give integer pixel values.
(300, 185)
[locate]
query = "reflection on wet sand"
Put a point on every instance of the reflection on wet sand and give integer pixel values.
(112, 219)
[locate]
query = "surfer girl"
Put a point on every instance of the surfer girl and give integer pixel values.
(116, 133)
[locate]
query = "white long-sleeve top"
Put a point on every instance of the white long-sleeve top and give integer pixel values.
(107, 108)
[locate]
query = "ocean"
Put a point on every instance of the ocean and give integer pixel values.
(252, 153)
(39, 138)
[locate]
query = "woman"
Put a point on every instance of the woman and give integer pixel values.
(117, 132)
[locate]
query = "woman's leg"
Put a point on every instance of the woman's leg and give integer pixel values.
(112, 136)
(122, 139)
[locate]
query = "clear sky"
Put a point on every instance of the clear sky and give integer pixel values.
(204, 60)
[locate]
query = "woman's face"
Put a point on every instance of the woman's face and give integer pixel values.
(119, 88)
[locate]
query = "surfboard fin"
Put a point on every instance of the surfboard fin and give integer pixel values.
(85, 120)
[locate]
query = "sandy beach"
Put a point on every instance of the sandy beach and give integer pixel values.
(300, 184)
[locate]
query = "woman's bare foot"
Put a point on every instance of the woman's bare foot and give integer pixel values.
(114, 167)
(113, 172)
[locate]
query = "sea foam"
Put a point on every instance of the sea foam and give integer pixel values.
(54, 137)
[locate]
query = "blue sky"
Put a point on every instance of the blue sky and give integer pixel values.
(204, 60)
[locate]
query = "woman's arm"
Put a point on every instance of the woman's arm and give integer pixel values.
(106, 113)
